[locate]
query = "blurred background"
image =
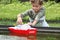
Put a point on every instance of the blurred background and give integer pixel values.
(9, 9)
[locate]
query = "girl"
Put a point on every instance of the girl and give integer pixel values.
(36, 15)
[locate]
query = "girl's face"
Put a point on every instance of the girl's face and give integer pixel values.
(36, 7)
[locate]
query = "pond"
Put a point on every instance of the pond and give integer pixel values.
(38, 37)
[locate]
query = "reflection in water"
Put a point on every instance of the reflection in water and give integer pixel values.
(9, 37)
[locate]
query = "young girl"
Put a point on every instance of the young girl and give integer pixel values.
(36, 15)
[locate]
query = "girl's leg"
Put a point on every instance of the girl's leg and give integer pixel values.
(45, 24)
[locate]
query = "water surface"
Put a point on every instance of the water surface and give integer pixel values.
(38, 37)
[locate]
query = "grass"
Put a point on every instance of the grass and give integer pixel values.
(54, 24)
(10, 11)
(52, 11)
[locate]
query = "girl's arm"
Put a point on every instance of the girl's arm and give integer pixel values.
(33, 24)
(20, 16)
(19, 20)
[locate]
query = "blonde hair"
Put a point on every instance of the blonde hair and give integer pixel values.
(40, 2)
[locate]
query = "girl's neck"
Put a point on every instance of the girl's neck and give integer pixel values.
(36, 11)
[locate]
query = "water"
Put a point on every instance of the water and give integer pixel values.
(38, 37)
(8, 37)
(48, 37)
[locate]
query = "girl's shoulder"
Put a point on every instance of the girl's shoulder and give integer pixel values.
(31, 10)
(42, 8)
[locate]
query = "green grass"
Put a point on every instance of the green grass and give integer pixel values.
(54, 24)
(52, 11)
(10, 11)
(7, 23)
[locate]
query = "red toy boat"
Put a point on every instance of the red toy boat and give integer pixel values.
(19, 32)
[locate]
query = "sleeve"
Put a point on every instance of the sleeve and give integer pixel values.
(25, 14)
(40, 15)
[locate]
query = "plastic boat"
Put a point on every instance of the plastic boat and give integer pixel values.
(20, 32)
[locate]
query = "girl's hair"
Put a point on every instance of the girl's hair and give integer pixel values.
(40, 2)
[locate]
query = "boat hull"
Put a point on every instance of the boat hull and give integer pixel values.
(20, 32)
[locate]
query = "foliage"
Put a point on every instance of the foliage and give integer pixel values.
(10, 11)
(7, 1)
(52, 11)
